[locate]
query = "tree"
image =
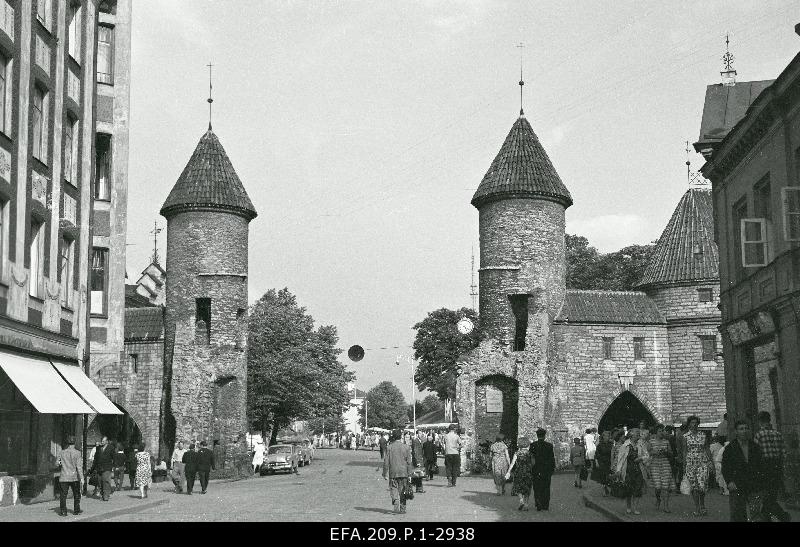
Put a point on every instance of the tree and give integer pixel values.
(581, 263)
(426, 405)
(293, 372)
(328, 424)
(617, 271)
(387, 407)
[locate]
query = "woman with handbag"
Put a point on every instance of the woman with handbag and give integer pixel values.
(697, 461)
(630, 471)
(577, 457)
(522, 466)
(602, 467)
(500, 463)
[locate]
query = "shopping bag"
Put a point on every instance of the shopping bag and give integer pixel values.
(685, 488)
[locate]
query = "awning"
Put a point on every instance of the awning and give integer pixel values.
(87, 389)
(42, 386)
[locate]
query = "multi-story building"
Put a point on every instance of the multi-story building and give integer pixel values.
(754, 166)
(47, 134)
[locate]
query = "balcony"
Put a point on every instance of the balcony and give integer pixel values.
(779, 278)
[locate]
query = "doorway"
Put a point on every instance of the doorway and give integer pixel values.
(626, 410)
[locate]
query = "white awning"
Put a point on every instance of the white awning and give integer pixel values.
(42, 386)
(87, 389)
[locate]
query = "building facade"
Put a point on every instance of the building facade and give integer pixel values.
(754, 166)
(47, 134)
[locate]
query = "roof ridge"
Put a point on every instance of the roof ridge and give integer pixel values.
(603, 291)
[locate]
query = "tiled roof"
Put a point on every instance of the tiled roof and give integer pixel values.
(144, 323)
(209, 181)
(690, 229)
(134, 299)
(609, 307)
(521, 170)
(725, 106)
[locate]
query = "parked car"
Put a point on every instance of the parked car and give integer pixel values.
(281, 457)
(306, 453)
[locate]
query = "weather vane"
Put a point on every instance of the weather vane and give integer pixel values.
(156, 230)
(210, 100)
(729, 74)
(521, 81)
(688, 165)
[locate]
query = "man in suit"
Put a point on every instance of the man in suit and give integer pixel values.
(397, 467)
(418, 460)
(71, 477)
(382, 443)
(741, 467)
(205, 463)
(543, 467)
(189, 460)
(104, 464)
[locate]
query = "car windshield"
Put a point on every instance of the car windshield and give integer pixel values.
(280, 450)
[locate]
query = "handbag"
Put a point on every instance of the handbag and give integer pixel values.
(408, 491)
(617, 487)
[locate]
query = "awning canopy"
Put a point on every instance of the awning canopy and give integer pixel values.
(42, 386)
(87, 389)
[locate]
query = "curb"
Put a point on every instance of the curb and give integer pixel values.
(121, 511)
(613, 515)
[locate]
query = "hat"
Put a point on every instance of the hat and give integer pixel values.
(524, 442)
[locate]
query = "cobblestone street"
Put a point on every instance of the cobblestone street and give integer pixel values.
(347, 486)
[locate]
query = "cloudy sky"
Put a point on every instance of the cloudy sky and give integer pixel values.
(361, 130)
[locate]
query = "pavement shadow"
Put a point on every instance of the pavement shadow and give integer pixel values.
(376, 463)
(493, 502)
(375, 510)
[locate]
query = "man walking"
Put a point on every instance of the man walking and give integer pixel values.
(452, 455)
(71, 477)
(741, 465)
(418, 459)
(397, 467)
(382, 444)
(190, 467)
(772, 456)
(178, 467)
(104, 463)
(205, 463)
(544, 465)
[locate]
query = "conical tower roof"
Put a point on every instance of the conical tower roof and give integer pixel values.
(209, 182)
(686, 250)
(521, 170)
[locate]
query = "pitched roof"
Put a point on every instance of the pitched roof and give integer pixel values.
(725, 105)
(690, 229)
(135, 300)
(609, 307)
(144, 323)
(209, 181)
(521, 170)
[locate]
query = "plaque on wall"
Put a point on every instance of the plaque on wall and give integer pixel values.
(494, 399)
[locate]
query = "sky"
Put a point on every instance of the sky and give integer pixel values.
(361, 130)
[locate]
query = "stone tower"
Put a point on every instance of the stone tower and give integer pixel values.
(205, 354)
(521, 204)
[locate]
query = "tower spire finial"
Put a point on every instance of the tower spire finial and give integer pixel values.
(521, 81)
(156, 230)
(688, 165)
(210, 100)
(729, 73)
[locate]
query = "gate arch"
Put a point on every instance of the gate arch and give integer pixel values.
(122, 428)
(496, 413)
(626, 409)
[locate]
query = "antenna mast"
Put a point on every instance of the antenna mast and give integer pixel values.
(473, 288)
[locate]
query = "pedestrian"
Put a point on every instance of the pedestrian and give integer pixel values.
(417, 460)
(144, 471)
(697, 459)
(590, 446)
(629, 471)
(119, 466)
(618, 438)
(452, 455)
(577, 457)
(205, 463)
(602, 459)
(104, 465)
(644, 432)
(160, 471)
(429, 454)
(94, 474)
(680, 454)
(661, 468)
(522, 468)
(71, 476)
(178, 467)
(500, 463)
(722, 430)
(397, 468)
(131, 465)
(544, 465)
(258, 457)
(189, 461)
(741, 467)
(715, 448)
(773, 455)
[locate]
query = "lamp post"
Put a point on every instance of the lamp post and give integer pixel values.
(413, 388)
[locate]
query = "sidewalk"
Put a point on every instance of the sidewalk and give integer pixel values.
(680, 505)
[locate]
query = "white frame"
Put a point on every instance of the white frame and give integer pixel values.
(37, 261)
(764, 241)
(784, 198)
(74, 31)
(44, 134)
(8, 75)
(67, 273)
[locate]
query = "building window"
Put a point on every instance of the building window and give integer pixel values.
(738, 212)
(44, 12)
(709, 347)
(99, 281)
(705, 295)
(134, 362)
(791, 212)
(6, 72)
(37, 259)
(608, 347)
(3, 235)
(519, 306)
(754, 242)
(105, 54)
(102, 182)
(74, 31)
(762, 199)
(40, 129)
(71, 151)
(66, 253)
(203, 313)
(638, 349)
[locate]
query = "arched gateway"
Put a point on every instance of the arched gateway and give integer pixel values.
(625, 410)
(496, 408)
(118, 427)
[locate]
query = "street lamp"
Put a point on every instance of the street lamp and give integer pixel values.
(413, 389)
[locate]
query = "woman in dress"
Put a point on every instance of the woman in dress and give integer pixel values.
(629, 471)
(577, 457)
(144, 471)
(661, 467)
(617, 439)
(591, 446)
(500, 463)
(697, 458)
(522, 466)
(602, 460)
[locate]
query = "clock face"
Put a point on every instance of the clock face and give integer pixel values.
(465, 326)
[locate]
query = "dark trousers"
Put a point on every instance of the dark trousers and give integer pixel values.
(76, 495)
(452, 464)
(738, 505)
(119, 472)
(204, 479)
(105, 484)
(773, 486)
(541, 490)
(190, 476)
(132, 475)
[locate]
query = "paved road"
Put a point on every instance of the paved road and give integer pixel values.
(343, 485)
